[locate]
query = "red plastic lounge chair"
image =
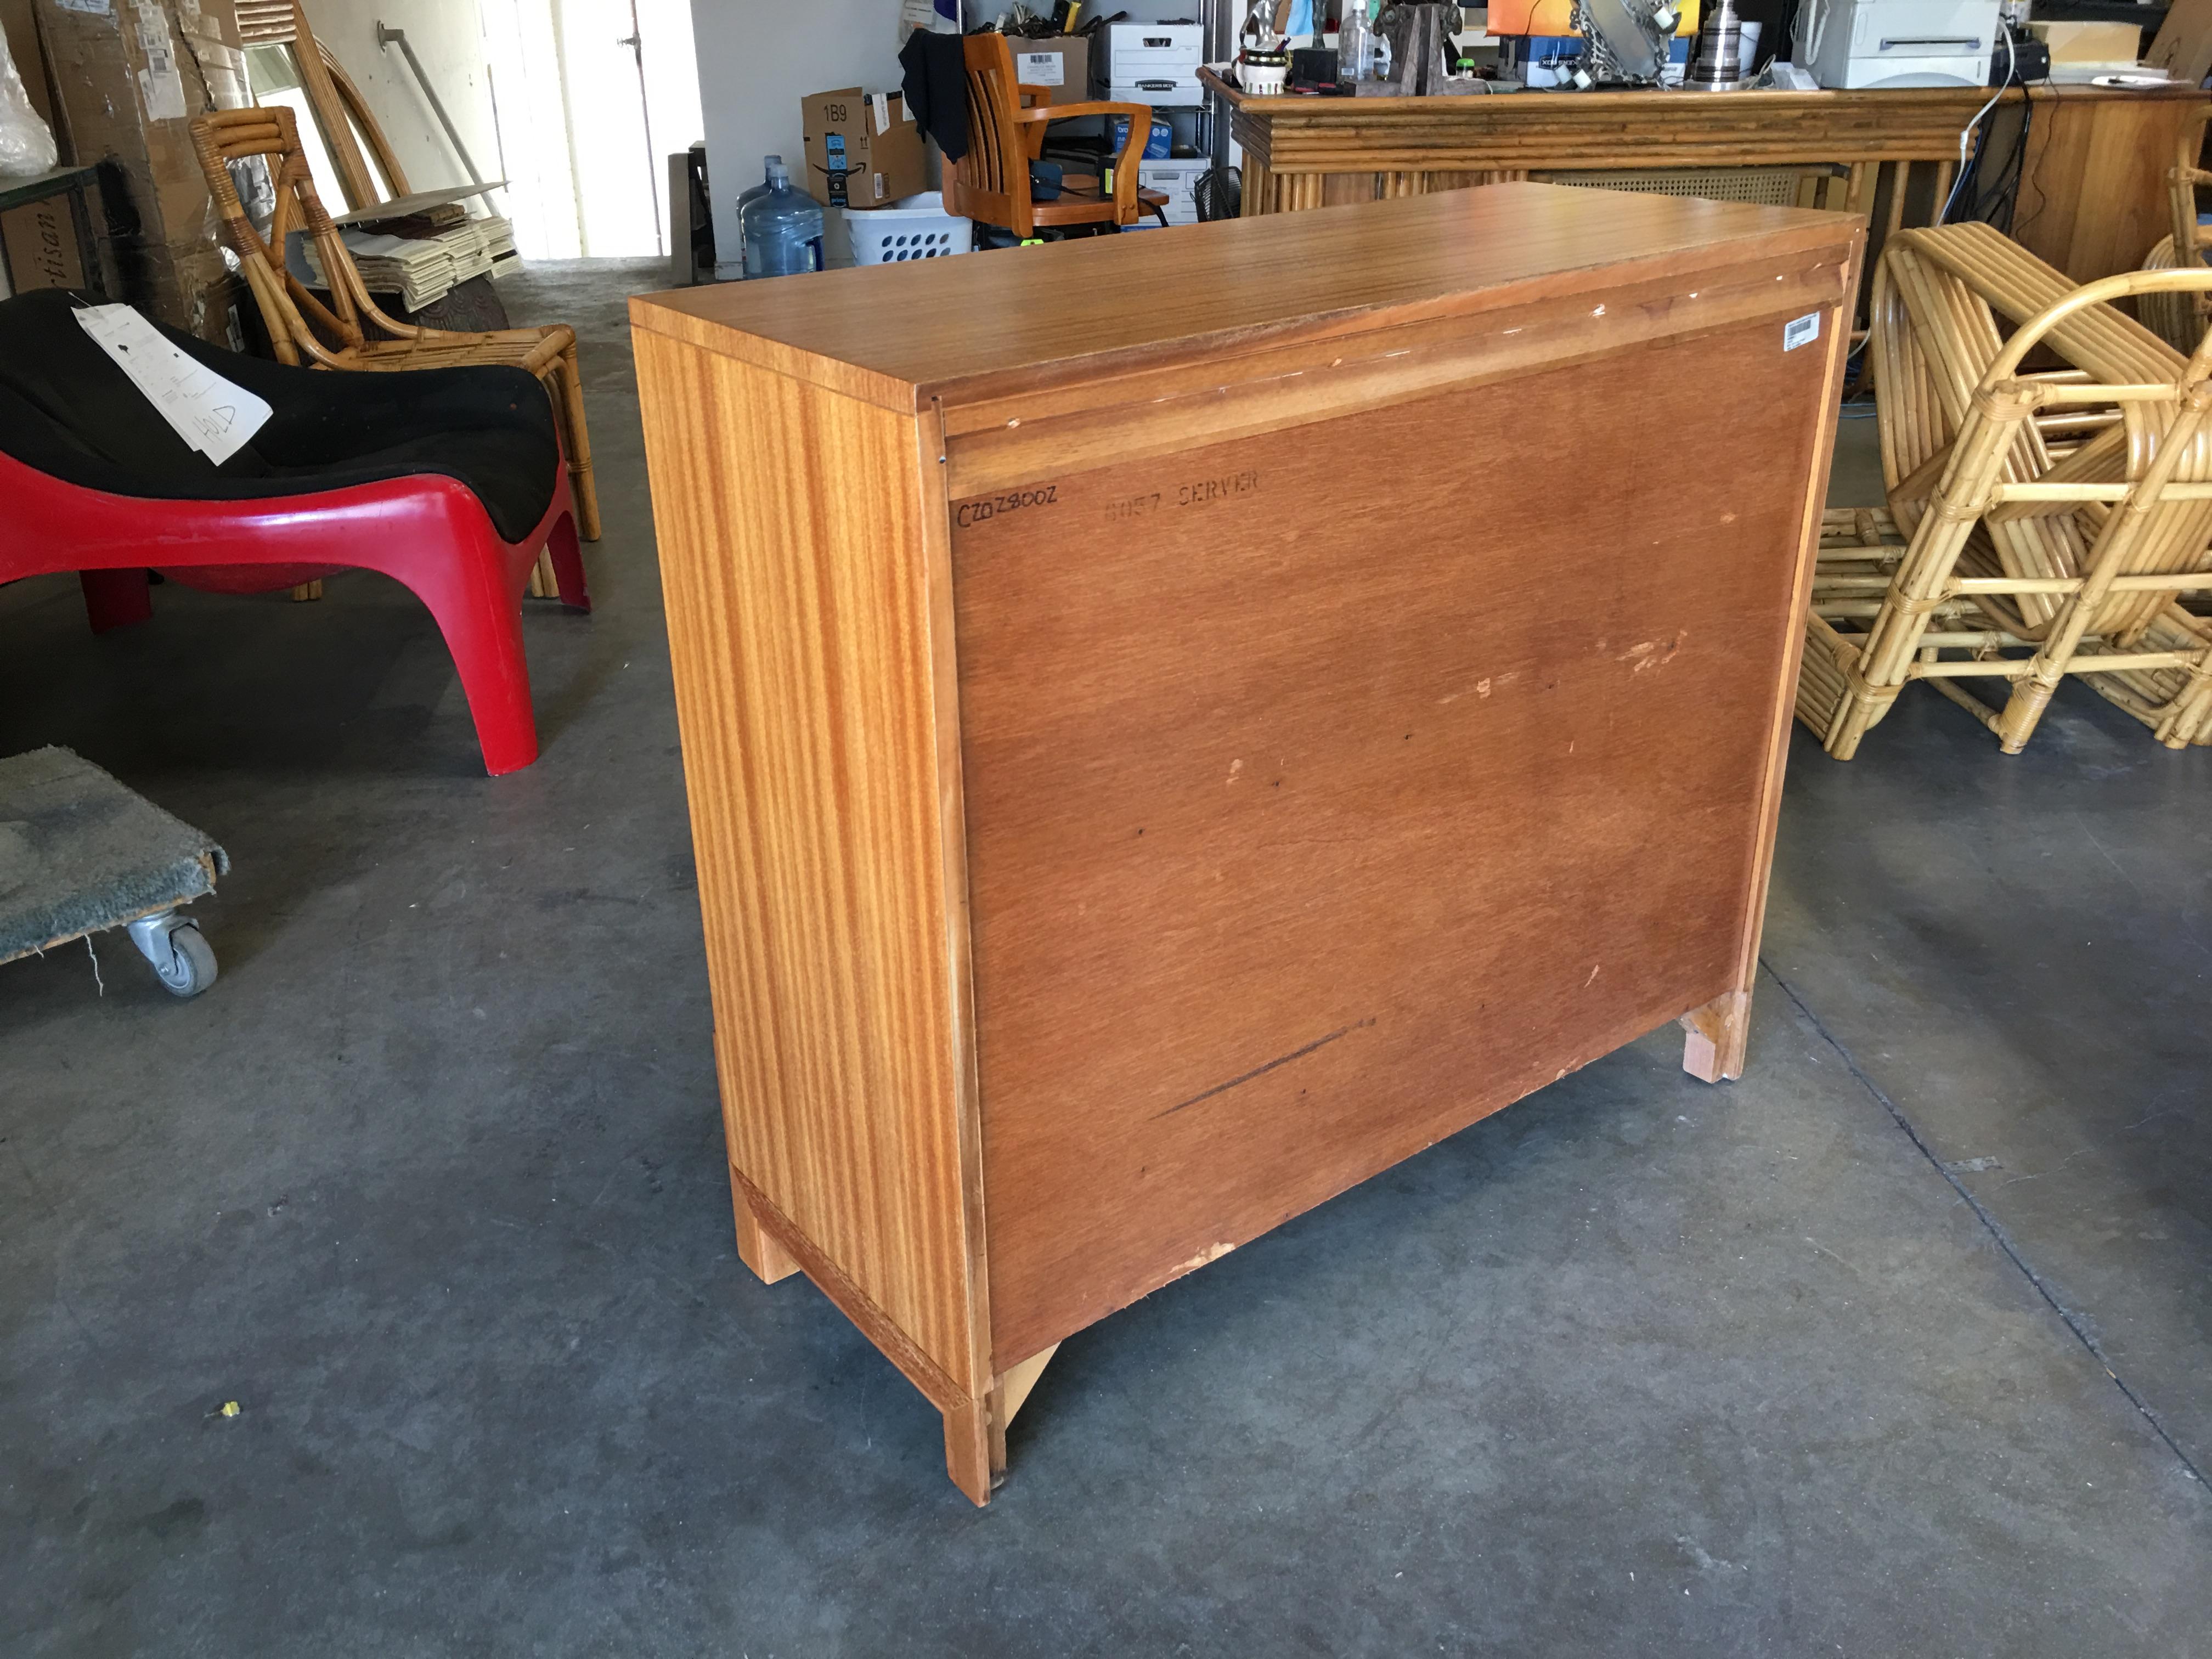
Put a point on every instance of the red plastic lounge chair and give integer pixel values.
(448, 480)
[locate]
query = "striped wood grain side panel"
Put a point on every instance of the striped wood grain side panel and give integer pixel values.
(790, 526)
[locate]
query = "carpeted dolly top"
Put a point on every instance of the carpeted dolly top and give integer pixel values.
(79, 852)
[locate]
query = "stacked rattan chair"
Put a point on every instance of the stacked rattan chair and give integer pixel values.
(2046, 522)
(2180, 318)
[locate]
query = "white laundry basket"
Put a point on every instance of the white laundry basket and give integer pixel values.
(913, 227)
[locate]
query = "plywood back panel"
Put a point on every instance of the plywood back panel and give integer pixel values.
(1338, 806)
(793, 552)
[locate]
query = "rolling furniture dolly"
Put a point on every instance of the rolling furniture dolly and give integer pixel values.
(80, 853)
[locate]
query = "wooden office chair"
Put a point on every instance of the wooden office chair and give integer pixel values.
(351, 333)
(2052, 518)
(1005, 132)
(2180, 318)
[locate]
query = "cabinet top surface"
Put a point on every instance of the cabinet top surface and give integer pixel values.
(988, 322)
(1750, 108)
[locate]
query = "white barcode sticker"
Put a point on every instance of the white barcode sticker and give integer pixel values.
(162, 91)
(208, 412)
(881, 107)
(1043, 69)
(1803, 331)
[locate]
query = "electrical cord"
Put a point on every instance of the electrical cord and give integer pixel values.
(2006, 195)
(2035, 178)
(1815, 15)
(1966, 133)
(1999, 205)
(1994, 202)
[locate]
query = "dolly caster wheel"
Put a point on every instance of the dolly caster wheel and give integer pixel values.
(183, 959)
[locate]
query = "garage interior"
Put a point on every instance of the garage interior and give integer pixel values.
(386, 1298)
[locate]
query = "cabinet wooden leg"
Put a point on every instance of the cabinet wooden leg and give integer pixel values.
(756, 1247)
(1717, 1033)
(975, 1431)
(975, 1452)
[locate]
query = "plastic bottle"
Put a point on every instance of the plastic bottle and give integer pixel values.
(1356, 42)
(782, 228)
(747, 200)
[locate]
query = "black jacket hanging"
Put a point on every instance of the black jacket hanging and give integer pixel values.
(936, 89)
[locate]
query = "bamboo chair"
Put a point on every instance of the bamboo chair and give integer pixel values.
(351, 333)
(1005, 132)
(2047, 521)
(340, 110)
(2180, 318)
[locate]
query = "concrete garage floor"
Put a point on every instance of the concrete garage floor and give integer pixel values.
(1899, 1346)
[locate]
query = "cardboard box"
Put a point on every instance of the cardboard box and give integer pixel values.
(127, 76)
(194, 288)
(38, 240)
(863, 150)
(1059, 65)
(2116, 43)
(1177, 180)
(2184, 46)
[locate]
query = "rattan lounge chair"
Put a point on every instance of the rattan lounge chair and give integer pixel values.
(2045, 521)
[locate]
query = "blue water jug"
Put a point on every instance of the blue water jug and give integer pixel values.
(749, 199)
(782, 228)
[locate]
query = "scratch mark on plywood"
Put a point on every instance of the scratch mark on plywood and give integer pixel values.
(1262, 1071)
(1652, 653)
(1211, 1253)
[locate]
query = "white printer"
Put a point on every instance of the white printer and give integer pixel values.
(1154, 63)
(1897, 43)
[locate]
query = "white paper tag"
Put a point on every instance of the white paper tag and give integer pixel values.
(1043, 69)
(881, 105)
(208, 412)
(90, 8)
(1803, 331)
(163, 94)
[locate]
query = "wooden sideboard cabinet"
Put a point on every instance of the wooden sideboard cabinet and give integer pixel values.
(1180, 721)
(2097, 156)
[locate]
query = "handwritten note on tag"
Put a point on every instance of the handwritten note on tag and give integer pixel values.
(208, 412)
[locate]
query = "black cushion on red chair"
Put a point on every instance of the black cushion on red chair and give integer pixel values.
(68, 411)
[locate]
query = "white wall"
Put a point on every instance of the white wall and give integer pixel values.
(544, 97)
(757, 58)
(448, 38)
